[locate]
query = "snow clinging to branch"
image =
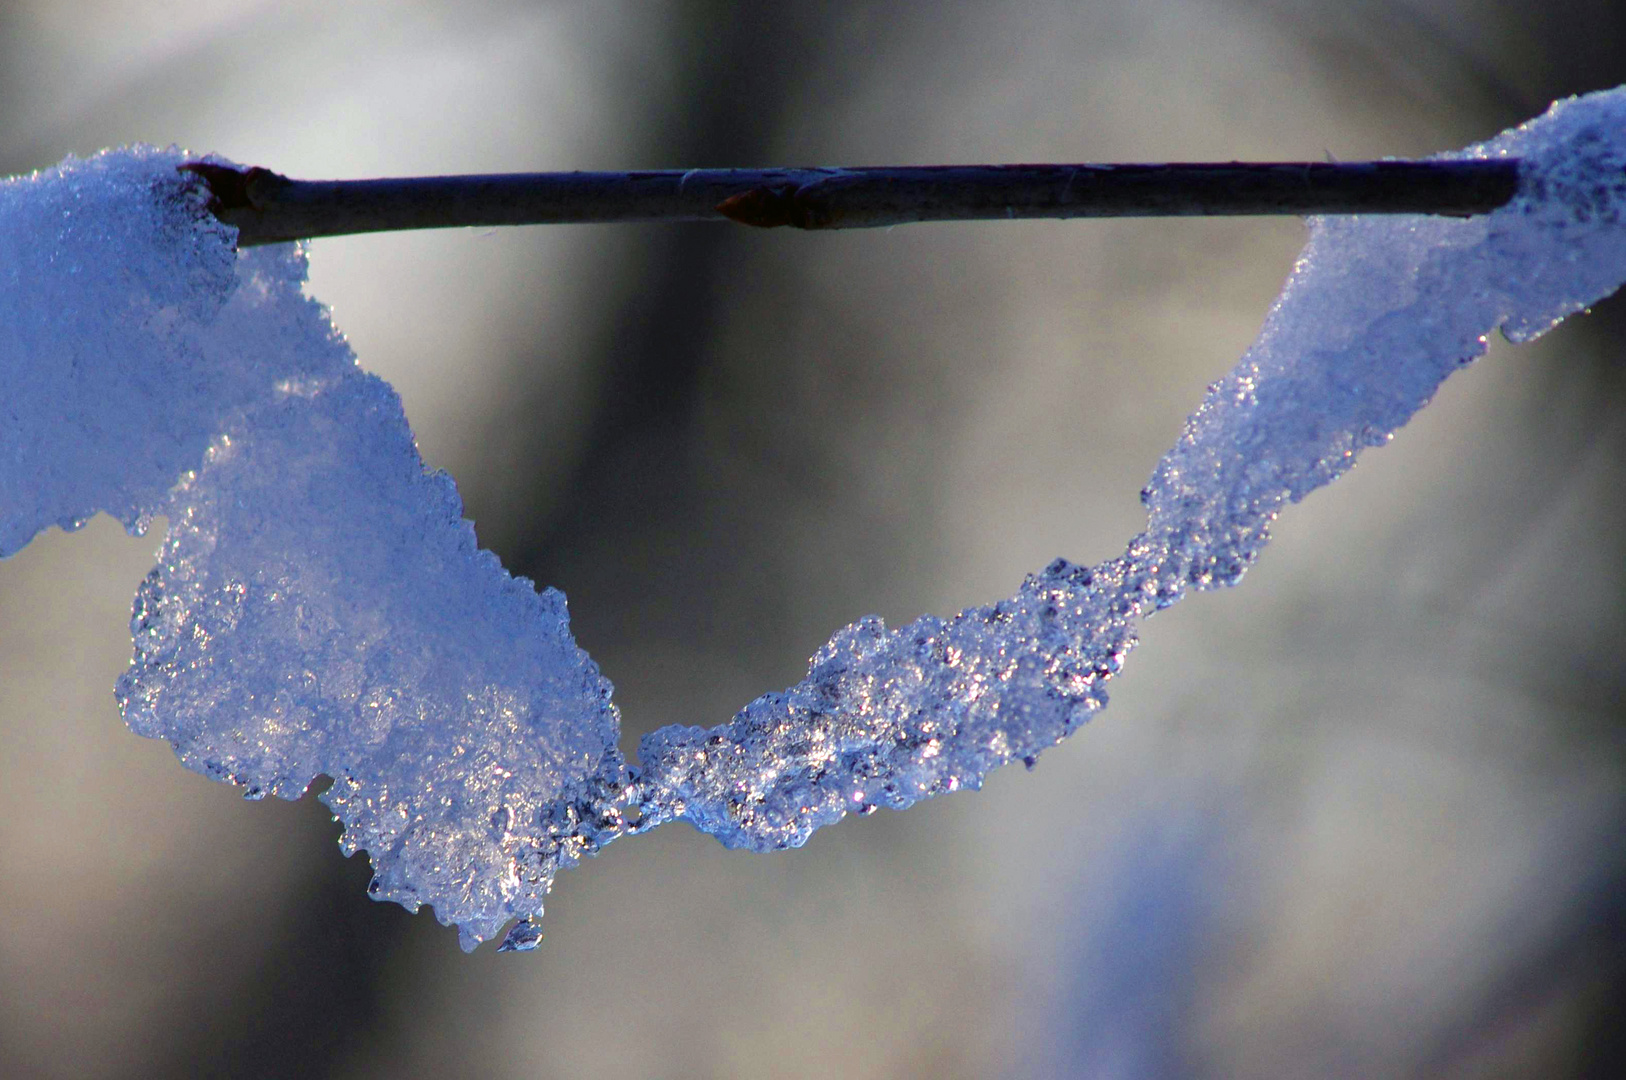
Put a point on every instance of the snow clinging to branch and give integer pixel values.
(320, 606)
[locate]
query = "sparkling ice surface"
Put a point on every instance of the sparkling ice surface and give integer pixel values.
(320, 606)
(128, 331)
(1377, 312)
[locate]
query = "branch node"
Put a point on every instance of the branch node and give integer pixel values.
(771, 206)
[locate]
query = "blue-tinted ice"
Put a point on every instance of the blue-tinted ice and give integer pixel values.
(1377, 312)
(320, 606)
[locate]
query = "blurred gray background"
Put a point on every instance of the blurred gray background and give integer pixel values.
(1360, 817)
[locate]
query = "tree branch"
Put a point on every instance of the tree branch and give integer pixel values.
(269, 208)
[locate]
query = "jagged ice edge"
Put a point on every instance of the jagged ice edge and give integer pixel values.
(1377, 313)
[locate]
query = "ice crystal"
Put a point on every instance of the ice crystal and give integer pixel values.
(1377, 312)
(320, 607)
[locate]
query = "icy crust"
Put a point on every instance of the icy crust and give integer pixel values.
(1377, 312)
(885, 718)
(320, 607)
(129, 330)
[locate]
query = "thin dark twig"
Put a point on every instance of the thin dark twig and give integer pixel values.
(269, 208)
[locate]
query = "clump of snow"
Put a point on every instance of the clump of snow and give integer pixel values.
(1377, 312)
(320, 606)
(129, 330)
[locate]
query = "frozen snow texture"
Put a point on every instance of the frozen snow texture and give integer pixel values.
(128, 331)
(1378, 311)
(320, 606)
